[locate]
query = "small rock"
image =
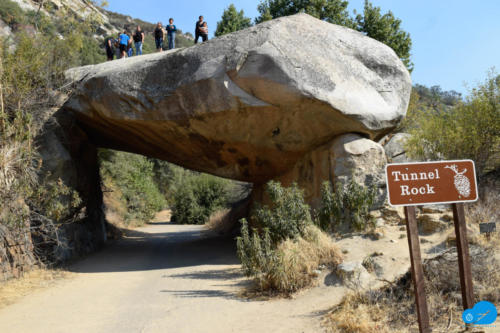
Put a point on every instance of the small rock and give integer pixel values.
(353, 273)
(402, 236)
(379, 222)
(393, 241)
(430, 223)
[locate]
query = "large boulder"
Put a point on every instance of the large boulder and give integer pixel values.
(347, 157)
(248, 105)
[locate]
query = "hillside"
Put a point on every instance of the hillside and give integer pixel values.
(33, 15)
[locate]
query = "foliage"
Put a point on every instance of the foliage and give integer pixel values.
(288, 215)
(134, 176)
(288, 266)
(333, 11)
(470, 129)
(231, 21)
(283, 255)
(54, 199)
(435, 96)
(384, 28)
(35, 69)
(197, 197)
(348, 205)
(11, 13)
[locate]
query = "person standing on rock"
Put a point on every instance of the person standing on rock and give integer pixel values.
(204, 32)
(171, 29)
(138, 40)
(199, 30)
(123, 41)
(110, 48)
(159, 35)
(130, 49)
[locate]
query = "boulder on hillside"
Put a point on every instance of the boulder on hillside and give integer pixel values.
(395, 148)
(248, 105)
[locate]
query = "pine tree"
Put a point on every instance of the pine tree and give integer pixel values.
(232, 20)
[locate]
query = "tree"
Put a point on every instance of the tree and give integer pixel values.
(333, 11)
(469, 129)
(232, 20)
(386, 29)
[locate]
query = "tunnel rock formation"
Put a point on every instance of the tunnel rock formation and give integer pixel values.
(263, 103)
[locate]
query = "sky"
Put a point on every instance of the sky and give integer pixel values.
(455, 42)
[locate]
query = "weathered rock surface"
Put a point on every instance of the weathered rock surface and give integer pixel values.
(395, 150)
(347, 157)
(16, 251)
(249, 105)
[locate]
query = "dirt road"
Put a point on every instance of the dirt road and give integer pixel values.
(163, 278)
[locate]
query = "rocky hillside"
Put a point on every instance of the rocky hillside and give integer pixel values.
(105, 23)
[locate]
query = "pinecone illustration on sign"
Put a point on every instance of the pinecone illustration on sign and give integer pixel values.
(462, 183)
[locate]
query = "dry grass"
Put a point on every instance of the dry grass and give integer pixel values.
(226, 220)
(392, 308)
(14, 289)
(295, 264)
(300, 258)
(486, 209)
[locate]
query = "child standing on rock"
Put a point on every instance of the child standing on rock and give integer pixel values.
(171, 29)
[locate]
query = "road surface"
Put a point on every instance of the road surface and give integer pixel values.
(163, 278)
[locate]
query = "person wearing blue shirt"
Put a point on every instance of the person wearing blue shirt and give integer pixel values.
(124, 41)
(171, 29)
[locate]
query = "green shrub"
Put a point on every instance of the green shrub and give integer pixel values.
(289, 265)
(133, 175)
(348, 206)
(197, 197)
(285, 253)
(288, 215)
(470, 129)
(11, 13)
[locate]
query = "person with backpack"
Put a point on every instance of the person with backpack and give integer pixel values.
(171, 29)
(159, 35)
(200, 30)
(123, 40)
(138, 40)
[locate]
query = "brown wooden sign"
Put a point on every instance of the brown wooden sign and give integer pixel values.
(431, 182)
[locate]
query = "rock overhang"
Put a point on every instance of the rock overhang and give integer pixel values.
(247, 105)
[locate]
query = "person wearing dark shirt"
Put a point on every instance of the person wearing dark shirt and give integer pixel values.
(138, 40)
(204, 32)
(171, 29)
(159, 35)
(110, 48)
(199, 30)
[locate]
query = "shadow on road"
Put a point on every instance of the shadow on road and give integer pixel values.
(178, 246)
(202, 293)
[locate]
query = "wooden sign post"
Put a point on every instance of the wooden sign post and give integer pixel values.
(412, 184)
